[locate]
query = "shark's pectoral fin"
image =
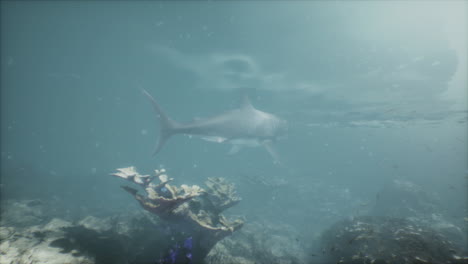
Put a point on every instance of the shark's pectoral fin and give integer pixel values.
(234, 149)
(268, 144)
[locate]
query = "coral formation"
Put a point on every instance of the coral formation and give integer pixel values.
(161, 199)
(191, 208)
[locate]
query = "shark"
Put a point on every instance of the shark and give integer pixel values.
(245, 126)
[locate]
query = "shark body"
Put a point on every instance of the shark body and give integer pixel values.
(244, 126)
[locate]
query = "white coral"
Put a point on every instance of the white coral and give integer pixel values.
(131, 174)
(193, 190)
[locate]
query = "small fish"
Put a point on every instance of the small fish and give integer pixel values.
(428, 148)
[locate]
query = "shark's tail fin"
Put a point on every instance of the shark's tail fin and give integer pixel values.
(168, 127)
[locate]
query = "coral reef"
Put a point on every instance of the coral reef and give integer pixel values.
(190, 208)
(134, 237)
(261, 242)
(388, 240)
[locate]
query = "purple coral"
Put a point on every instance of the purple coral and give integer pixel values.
(178, 255)
(188, 243)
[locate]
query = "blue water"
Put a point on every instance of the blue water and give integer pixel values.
(373, 91)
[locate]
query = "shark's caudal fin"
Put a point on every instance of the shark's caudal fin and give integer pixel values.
(168, 127)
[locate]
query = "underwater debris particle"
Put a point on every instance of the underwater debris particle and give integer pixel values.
(10, 61)
(420, 259)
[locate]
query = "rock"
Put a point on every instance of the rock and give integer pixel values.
(33, 245)
(43, 253)
(6, 232)
(56, 224)
(97, 224)
(91, 240)
(405, 199)
(259, 243)
(387, 240)
(22, 213)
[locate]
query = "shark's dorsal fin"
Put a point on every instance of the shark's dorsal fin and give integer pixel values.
(245, 103)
